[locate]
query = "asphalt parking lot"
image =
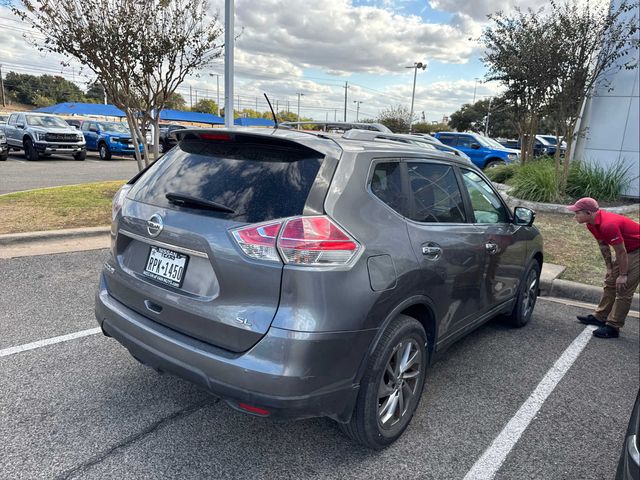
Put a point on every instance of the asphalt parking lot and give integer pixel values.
(83, 408)
(18, 174)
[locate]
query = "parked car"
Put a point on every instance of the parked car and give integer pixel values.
(483, 151)
(543, 145)
(43, 134)
(629, 463)
(168, 138)
(298, 275)
(74, 122)
(3, 118)
(108, 138)
(4, 147)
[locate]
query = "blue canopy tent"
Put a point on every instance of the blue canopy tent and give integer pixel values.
(69, 108)
(254, 122)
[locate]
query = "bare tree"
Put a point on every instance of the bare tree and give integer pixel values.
(140, 50)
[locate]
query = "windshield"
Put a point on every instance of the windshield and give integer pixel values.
(548, 138)
(46, 121)
(489, 142)
(114, 127)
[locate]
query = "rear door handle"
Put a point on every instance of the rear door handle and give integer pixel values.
(431, 251)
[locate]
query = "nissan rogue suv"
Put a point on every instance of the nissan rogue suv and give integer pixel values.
(298, 275)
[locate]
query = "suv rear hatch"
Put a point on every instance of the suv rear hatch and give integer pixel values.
(177, 260)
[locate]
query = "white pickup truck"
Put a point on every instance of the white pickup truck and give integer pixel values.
(40, 134)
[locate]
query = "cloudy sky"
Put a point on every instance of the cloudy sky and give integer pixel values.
(286, 47)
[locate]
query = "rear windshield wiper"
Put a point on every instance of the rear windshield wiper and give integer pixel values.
(183, 200)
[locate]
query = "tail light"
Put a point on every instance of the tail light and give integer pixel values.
(308, 241)
(118, 200)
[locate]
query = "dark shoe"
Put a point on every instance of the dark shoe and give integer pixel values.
(606, 331)
(590, 320)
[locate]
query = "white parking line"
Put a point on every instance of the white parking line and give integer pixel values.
(492, 459)
(49, 341)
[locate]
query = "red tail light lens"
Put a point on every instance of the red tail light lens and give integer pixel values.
(215, 136)
(259, 241)
(315, 241)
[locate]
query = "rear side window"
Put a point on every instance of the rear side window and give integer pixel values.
(386, 184)
(448, 140)
(435, 192)
(465, 141)
(257, 182)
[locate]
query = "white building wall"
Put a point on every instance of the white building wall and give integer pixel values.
(612, 122)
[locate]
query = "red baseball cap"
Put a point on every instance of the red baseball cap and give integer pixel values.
(586, 203)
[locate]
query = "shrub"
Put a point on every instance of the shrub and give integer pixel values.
(501, 173)
(536, 181)
(588, 179)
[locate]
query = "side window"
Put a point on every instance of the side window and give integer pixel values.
(21, 119)
(465, 141)
(386, 184)
(486, 205)
(85, 126)
(436, 195)
(448, 140)
(12, 119)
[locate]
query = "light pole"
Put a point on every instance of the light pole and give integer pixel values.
(217, 75)
(299, 95)
(415, 67)
(486, 125)
(357, 102)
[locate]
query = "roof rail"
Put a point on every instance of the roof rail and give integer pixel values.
(342, 126)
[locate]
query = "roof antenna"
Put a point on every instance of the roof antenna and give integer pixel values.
(275, 119)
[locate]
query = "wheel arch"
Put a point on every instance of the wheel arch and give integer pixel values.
(26, 137)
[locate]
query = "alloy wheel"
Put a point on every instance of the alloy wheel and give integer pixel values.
(531, 294)
(399, 382)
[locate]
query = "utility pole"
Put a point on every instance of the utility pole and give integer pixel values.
(357, 102)
(196, 97)
(299, 95)
(335, 115)
(346, 87)
(238, 104)
(474, 90)
(256, 104)
(104, 90)
(190, 97)
(486, 125)
(4, 102)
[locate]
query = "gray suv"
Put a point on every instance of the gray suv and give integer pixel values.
(298, 275)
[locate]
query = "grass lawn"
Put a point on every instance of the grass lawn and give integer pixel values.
(87, 205)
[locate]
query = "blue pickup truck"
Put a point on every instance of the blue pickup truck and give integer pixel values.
(483, 151)
(108, 138)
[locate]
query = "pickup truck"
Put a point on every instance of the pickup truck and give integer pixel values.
(40, 134)
(484, 152)
(108, 138)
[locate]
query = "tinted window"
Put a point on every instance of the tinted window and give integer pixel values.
(465, 141)
(12, 119)
(257, 182)
(486, 205)
(386, 184)
(447, 139)
(436, 195)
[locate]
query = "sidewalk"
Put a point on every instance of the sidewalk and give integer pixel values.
(81, 239)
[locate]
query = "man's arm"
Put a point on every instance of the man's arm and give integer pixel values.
(606, 254)
(623, 266)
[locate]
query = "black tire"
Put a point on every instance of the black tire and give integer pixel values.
(162, 148)
(493, 164)
(527, 296)
(4, 156)
(80, 156)
(30, 151)
(104, 151)
(383, 390)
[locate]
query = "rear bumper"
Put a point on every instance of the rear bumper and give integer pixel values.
(291, 374)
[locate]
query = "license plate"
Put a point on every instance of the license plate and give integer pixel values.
(166, 266)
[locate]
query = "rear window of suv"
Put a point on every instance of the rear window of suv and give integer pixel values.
(258, 182)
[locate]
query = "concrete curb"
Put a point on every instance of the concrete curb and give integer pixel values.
(28, 237)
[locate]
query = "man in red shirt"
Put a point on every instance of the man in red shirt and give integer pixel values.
(623, 272)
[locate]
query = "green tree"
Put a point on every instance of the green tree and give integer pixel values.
(176, 102)
(31, 89)
(205, 106)
(95, 93)
(395, 118)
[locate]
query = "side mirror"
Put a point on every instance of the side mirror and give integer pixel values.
(523, 216)
(475, 146)
(20, 125)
